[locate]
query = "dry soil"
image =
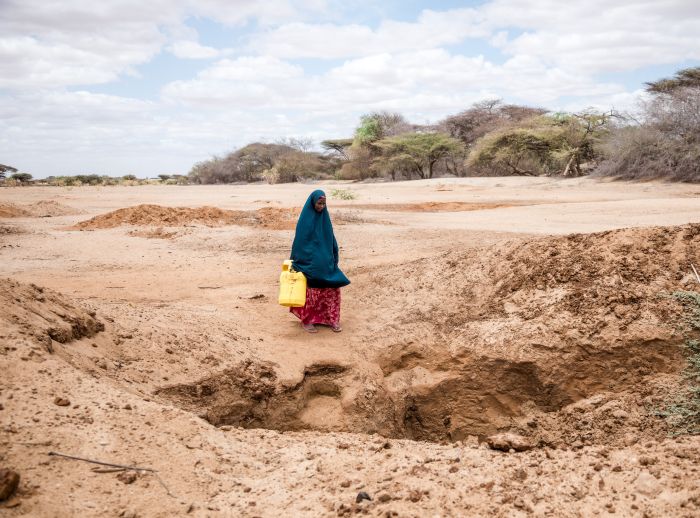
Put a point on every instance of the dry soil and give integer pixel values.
(139, 327)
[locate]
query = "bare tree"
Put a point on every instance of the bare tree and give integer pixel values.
(666, 143)
(484, 117)
(305, 144)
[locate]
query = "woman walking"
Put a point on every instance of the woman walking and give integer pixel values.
(315, 254)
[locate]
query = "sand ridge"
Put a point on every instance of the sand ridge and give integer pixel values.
(39, 209)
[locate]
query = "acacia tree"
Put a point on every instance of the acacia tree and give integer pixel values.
(339, 147)
(582, 134)
(378, 125)
(363, 151)
(415, 152)
(484, 117)
(558, 144)
(6, 169)
(22, 177)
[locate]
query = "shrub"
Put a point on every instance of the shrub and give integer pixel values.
(359, 167)
(484, 117)
(21, 178)
(274, 163)
(544, 145)
(667, 143)
(343, 194)
(683, 412)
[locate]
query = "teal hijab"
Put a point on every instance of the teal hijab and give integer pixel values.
(315, 250)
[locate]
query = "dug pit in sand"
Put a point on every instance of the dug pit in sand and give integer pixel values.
(551, 338)
(544, 339)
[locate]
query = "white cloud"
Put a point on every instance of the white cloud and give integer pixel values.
(333, 41)
(81, 42)
(268, 12)
(400, 81)
(55, 44)
(591, 36)
(551, 54)
(241, 82)
(187, 49)
(598, 35)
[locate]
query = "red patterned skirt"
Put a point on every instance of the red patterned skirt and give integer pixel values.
(322, 307)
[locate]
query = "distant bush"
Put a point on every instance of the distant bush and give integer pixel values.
(559, 144)
(666, 144)
(484, 117)
(92, 179)
(4, 169)
(21, 178)
(343, 194)
(359, 166)
(274, 163)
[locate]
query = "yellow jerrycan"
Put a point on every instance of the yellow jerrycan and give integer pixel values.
(292, 287)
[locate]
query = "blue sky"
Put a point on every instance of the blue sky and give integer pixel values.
(126, 86)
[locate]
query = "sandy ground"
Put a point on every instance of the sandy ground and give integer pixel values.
(471, 312)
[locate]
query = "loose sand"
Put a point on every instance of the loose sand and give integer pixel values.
(477, 306)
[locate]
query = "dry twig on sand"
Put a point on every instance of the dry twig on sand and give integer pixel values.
(120, 466)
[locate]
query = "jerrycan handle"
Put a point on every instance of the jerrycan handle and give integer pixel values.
(287, 266)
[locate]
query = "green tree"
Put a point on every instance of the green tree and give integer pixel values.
(378, 125)
(545, 145)
(415, 152)
(22, 177)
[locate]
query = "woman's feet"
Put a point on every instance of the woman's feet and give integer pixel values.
(309, 328)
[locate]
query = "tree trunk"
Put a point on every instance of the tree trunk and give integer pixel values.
(519, 172)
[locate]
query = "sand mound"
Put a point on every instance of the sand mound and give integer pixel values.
(39, 209)
(10, 210)
(565, 339)
(50, 208)
(271, 218)
(157, 215)
(44, 314)
(275, 218)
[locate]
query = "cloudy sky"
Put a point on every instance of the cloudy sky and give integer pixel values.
(153, 86)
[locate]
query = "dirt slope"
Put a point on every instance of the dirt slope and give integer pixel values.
(490, 340)
(206, 471)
